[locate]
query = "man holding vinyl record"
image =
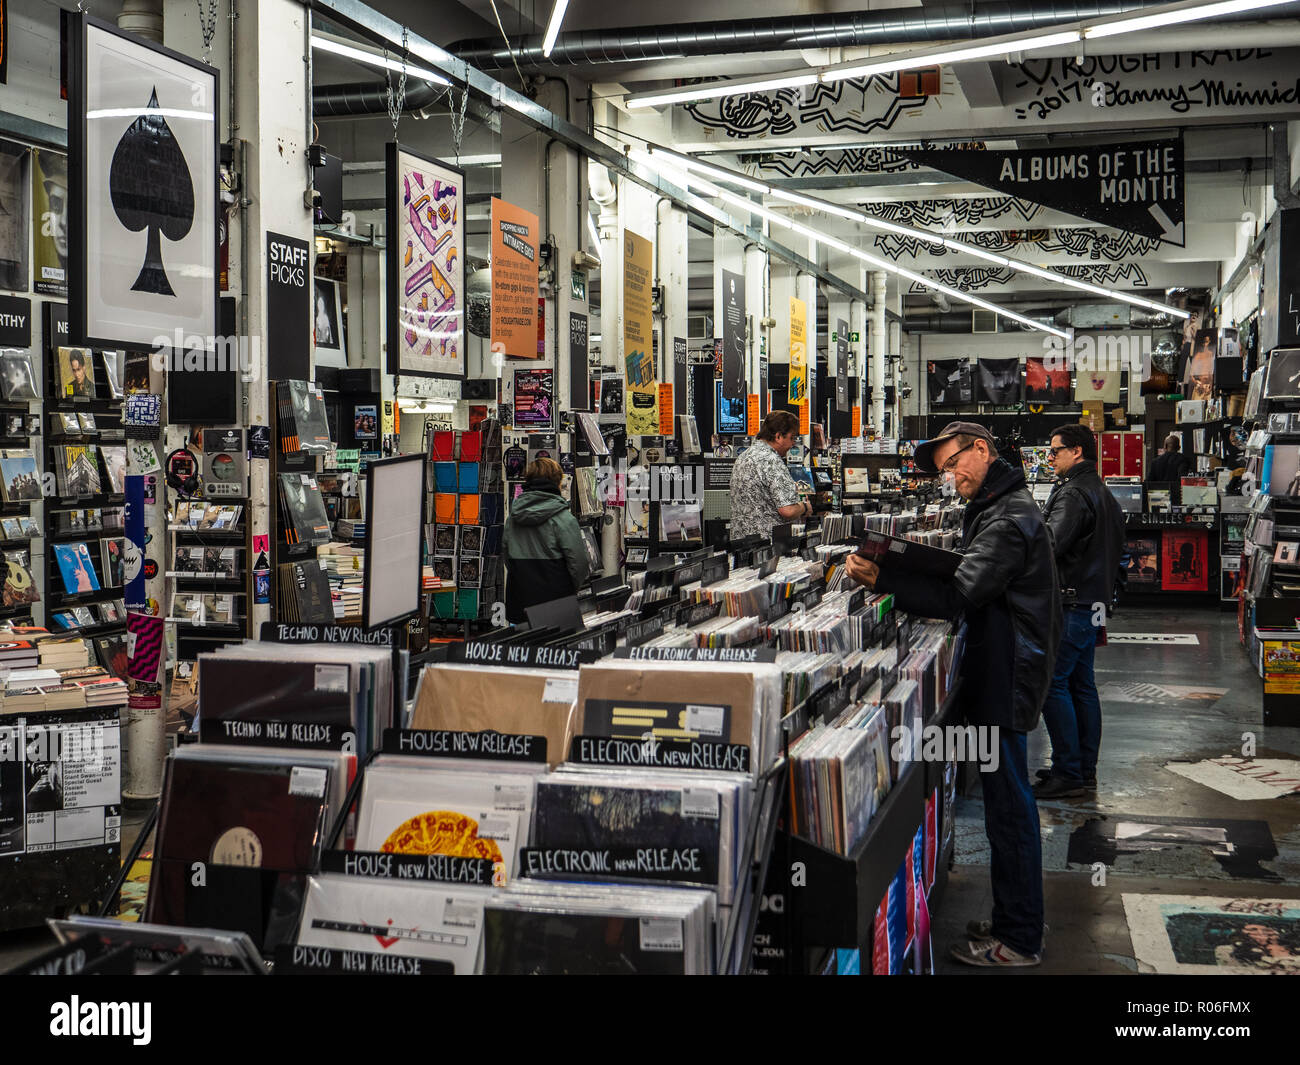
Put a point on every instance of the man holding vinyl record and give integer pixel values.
(1005, 585)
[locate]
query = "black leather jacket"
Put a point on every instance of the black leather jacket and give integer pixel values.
(1088, 527)
(1007, 588)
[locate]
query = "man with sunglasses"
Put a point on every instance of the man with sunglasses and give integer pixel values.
(1006, 588)
(1088, 530)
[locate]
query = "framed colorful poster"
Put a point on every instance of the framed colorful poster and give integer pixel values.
(1185, 560)
(534, 398)
(142, 181)
(426, 265)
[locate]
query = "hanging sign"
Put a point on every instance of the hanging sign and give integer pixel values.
(642, 399)
(798, 351)
(733, 336)
(666, 409)
(842, 366)
(579, 371)
(514, 280)
(1136, 186)
(805, 426)
(288, 308)
(856, 421)
(752, 415)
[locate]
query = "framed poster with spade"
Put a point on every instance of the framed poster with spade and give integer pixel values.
(143, 176)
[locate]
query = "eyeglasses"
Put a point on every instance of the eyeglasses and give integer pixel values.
(1064, 447)
(951, 464)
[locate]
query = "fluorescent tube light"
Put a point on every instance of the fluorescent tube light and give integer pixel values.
(329, 44)
(713, 90)
(553, 27)
(938, 56)
(1173, 15)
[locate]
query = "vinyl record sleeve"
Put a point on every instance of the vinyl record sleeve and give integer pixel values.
(440, 922)
(245, 688)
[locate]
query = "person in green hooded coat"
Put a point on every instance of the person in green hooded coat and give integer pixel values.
(545, 555)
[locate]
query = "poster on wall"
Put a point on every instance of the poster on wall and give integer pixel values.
(798, 390)
(426, 265)
(733, 335)
(642, 398)
(611, 396)
(50, 222)
(13, 216)
(1198, 374)
(1097, 386)
(142, 184)
(514, 281)
(997, 381)
(534, 398)
(1185, 560)
(948, 382)
(579, 371)
(1043, 385)
(327, 324)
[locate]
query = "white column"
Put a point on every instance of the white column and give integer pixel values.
(879, 349)
(674, 276)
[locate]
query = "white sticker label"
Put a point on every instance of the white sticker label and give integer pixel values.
(510, 796)
(498, 827)
(331, 678)
(306, 780)
(706, 720)
(663, 934)
(700, 802)
(560, 690)
(458, 914)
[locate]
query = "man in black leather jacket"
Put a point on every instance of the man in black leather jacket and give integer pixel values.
(1006, 587)
(1088, 529)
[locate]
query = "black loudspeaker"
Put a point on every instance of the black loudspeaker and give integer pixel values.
(478, 388)
(205, 390)
(355, 381)
(328, 180)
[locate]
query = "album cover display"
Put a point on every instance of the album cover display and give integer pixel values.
(76, 470)
(248, 687)
(1046, 385)
(304, 425)
(19, 478)
(18, 379)
(19, 587)
(76, 568)
(303, 510)
(75, 377)
(1280, 475)
(113, 362)
(1282, 378)
(1142, 562)
(443, 923)
(681, 522)
(1185, 560)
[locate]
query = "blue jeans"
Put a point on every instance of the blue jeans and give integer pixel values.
(1016, 854)
(1072, 712)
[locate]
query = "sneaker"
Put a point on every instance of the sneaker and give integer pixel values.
(991, 954)
(1043, 774)
(984, 929)
(1058, 788)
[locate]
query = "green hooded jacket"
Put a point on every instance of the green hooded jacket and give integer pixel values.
(545, 556)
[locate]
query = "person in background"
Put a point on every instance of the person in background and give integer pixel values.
(763, 493)
(544, 553)
(1007, 589)
(1088, 533)
(1171, 465)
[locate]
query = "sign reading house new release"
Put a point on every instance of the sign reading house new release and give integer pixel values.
(514, 280)
(1136, 186)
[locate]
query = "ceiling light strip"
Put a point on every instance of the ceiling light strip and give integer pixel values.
(360, 55)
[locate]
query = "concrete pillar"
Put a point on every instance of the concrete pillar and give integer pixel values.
(879, 348)
(806, 290)
(673, 272)
(604, 190)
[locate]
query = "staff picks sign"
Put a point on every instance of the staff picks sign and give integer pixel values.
(1136, 186)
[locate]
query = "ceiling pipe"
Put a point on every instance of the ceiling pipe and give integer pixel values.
(949, 22)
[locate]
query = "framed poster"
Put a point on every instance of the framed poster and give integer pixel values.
(1185, 560)
(327, 323)
(1142, 566)
(143, 176)
(365, 422)
(534, 398)
(426, 265)
(395, 534)
(50, 229)
(13, 216)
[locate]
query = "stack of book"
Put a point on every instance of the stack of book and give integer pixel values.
(18, 654)
(344, 568)
(103, 690)
(63, 652)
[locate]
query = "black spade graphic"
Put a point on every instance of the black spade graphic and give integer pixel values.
(150, 186)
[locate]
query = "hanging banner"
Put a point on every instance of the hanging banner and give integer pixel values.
(642, 399)
(841, 365)
(665, 409)
(805, 425)
(752, 416)
(856, 421)
(1135, 186)
(579, 372)
(50, 244)
(514, 281)
(288, 308)
(133, 547)
(733, 336)
(798, 351)
(681, 377)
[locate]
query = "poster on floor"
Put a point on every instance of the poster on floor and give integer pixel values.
(1185, 560)
(425, 309)
(1195, 935)
(1142, 563)
(534, 398)
(142, 189)
(642, 391)
(514, 281)
(1243, 778)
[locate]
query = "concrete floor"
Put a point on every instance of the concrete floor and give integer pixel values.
(1089, 933)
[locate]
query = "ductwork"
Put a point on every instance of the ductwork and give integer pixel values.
(367, 98)
(949, 22)
(1090, 316)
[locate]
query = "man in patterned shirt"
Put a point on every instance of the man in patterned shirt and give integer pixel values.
(763, 493)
